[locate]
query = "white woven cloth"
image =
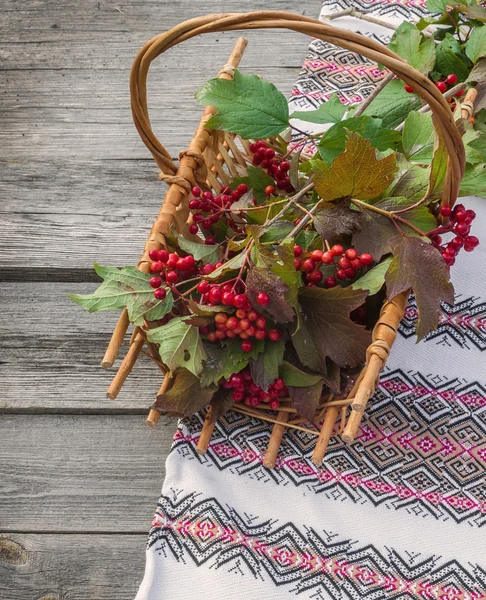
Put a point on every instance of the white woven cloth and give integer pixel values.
(397, 514)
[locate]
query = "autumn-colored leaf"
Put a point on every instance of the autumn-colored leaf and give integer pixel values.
(357, 172)
(221, 403)
(329, 326)
(261, 279)
(417, 265)
(186, 395)
(332, 220)
(306, 399)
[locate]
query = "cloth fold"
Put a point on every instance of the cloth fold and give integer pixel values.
(397, 514)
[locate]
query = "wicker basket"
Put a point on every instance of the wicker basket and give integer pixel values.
(214, 158)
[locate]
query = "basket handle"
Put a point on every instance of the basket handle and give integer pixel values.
(443, 117)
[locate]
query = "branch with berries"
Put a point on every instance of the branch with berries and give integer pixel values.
(270, 302)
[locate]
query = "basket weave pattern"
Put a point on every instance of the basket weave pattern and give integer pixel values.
(214, 158)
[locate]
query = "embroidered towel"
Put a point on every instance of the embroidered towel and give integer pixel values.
(396, 514)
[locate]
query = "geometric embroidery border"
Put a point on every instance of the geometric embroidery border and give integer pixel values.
(305, 561)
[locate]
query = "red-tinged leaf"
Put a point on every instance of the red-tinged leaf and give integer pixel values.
(332, 220)
(374, 235)
(260, 279)
(333, 333)
(221, 403)
(186, 396)
(264, 368)
(306, 399)
(419, 266)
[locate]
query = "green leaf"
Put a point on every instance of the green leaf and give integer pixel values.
(179, 345)
(331, 111)
(277, 232)
(374, 279)
(478, 72)
(246, 105)
(411, 181)
(333, 333)
(474, 181)
(392, 104)
(293, 376)
(284, 268)
(234, 264)
(417, 265)
(475, 146)
(449, 58)
(437, 6)
(219, 364)
(409, 43)
(208, 254)
(257, 180)
(418, 137)
(261, 279)
(264, 368)
(476, 44)
(236, 354)
(186, 396)
(333, 143)
(126, 287)
(475, 11)
(305, 239)
(206, 310)
(357, 172)
(306, 399)
(332, 220)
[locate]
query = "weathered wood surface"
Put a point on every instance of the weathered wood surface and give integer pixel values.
(79, 474)
(58, 567)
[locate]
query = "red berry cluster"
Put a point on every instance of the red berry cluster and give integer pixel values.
(274, 165)
(441, 85)
(171, 268)
(244, 324)
(247, 391)
(209, 208)
(459, 223)
(348, 263)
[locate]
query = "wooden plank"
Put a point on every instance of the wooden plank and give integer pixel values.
(51, 350)
(80, 473)
(55, 567)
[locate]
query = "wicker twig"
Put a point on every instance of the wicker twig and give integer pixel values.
(212, 160)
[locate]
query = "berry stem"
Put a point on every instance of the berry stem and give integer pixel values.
(388, 214)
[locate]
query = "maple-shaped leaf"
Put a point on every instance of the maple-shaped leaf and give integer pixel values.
(233, 264)
(331, 111)
(333, 333)
(333, 142)
(264, 368)
(374, 235)
(418, 137)
(357, 172)
(247, 105)
(186, 396)
(417, 265)
(126, 287)
(332, 220)
(200, 251)
(306, 399)
(450, 58)
(409, 43)
(179, 345)
(221, 403)
(261, 279)
(411, 181)
(220, 364)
